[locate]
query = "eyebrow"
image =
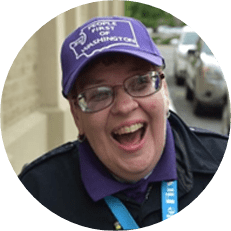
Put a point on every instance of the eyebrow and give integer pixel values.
(135, 69)
(95, 81)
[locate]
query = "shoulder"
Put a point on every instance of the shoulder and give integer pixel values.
(196, 133)
(65, 153)
(210, 139)
(214, 143)
(204, 148)
(54, 179)
(205, 132)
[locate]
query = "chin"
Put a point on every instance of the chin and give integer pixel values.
(136, 169)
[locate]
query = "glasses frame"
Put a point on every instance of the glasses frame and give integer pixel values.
(77, 98)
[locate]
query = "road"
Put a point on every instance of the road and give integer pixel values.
(184, 107)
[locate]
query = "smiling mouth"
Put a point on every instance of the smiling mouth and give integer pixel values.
(130, 135)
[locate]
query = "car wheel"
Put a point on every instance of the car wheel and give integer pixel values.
(219, 111)
(189, 93)
(179, 81)
(197, 107)
(177, 77)
(175, 73)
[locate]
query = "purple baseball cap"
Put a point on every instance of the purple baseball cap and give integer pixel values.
(102, 35)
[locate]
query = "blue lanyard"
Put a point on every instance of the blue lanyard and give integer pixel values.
(169, 201)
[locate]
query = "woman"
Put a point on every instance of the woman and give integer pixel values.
(135, 162)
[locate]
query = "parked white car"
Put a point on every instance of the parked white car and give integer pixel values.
(205, 83)
(187, 41)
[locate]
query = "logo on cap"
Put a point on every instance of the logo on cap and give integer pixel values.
(103, 34)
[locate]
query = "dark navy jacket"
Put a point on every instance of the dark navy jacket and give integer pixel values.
(54, 179)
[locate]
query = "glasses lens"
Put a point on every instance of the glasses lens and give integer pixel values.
(98, 98)
(144, 85)
(95, 99)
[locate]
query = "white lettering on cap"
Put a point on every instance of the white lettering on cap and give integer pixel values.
(100, 35)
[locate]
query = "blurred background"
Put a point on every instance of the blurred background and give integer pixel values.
(35, 118)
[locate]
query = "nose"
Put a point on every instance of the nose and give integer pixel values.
(123, 102)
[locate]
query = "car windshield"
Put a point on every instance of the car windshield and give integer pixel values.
(206, 49)
(190, 38)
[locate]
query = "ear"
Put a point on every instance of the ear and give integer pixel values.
(77, 115)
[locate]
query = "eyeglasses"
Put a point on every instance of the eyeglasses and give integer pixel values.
(98, 98)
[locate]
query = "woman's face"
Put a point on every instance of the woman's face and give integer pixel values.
(129, 156)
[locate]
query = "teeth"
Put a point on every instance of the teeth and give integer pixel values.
(130, 129)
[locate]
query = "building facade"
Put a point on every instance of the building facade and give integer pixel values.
(35, 117)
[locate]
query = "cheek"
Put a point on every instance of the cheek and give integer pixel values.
(94, 123)
(154, 104)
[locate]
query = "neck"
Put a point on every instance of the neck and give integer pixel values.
(122, 180)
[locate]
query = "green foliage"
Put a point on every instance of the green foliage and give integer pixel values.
(148, 15)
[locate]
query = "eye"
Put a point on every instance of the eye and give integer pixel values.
(139, 83)
(99, 94)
